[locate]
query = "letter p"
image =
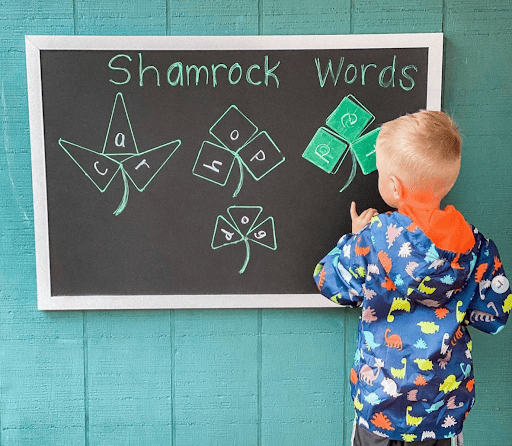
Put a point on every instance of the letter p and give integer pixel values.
(259, 156)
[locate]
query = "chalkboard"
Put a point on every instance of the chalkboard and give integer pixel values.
(208, 172)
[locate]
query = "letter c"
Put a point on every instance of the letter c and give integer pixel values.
(248, 74)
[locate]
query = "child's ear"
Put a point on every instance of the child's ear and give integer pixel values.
(397, 188)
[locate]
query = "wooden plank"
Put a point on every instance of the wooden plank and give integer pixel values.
(23, 17)
(351, 325)
(216, 378)
(304, 387)
(119, 17)
(41, 364)
(210, 17)
(128, 378)
(399, 16)
(477, 94)
(42, 389)
(489, 421)
(478, 57)
(484, 185)
(477, 428)
(305, 17)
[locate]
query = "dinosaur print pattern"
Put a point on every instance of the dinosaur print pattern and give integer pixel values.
(366, 373)
(412, 376)
(393, 341)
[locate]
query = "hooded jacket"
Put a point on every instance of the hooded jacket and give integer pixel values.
(412, 378)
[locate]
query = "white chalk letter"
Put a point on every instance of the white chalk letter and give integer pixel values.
(212, 167)
(97, 170)
(228, 235)
(260, 156)
(322, 151)
(120, 142)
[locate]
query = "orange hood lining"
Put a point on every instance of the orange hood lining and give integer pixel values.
(447, 227)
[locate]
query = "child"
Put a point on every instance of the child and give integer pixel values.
(421, 276)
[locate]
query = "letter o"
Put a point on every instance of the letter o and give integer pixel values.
(233, 68)
(346, 73)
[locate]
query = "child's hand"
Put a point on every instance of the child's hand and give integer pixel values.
(360, 221)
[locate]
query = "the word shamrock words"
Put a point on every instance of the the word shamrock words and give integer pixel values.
(243, 226)
(239, 140)
(120, 154)
(329, 146)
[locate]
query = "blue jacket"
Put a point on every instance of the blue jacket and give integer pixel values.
(412, 377)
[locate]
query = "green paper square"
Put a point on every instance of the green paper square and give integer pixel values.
(364, 150)
(325, 150)
(350, 118)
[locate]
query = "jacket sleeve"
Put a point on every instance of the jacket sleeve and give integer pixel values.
(490, 307)
(340, 275)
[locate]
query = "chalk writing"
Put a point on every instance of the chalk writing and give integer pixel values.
(180, 75)
(243, 226)
(98, 170)
(385, 77)
(238, 140)
(138, 167)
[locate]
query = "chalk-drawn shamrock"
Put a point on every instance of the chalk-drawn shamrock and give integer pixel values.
(120, 154)
(329, 146)
(243, 226)
(239, 140)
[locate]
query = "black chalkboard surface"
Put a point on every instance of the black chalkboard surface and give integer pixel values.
(206, 172)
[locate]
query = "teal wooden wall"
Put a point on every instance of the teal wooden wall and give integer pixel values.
(244, 378)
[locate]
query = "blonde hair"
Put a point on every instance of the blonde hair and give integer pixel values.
(423, 149)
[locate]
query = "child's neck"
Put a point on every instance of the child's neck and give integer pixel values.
(446, 228)
(419, 208)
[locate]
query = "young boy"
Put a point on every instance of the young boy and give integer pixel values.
(421, 276)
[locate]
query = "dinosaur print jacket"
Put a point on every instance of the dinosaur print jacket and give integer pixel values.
(412, 378)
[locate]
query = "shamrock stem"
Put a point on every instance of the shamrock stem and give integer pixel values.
(241, 181)
(247, 255)
(353, 171)
(124, 200)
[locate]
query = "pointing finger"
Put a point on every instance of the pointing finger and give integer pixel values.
(353, 212)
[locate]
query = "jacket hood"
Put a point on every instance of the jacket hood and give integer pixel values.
(433, 274)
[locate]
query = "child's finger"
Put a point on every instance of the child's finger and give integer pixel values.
(369, 213)
(353, 212)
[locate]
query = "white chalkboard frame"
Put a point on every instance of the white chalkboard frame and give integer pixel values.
(35, 44)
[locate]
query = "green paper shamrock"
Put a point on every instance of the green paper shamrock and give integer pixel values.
(329, 146)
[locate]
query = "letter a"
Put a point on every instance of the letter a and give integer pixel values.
(120, 143)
